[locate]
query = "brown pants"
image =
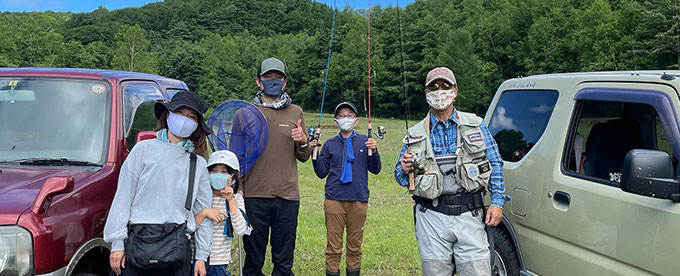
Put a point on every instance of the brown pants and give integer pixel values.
(341, 214)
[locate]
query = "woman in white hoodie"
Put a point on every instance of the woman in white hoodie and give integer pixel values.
(153, 185)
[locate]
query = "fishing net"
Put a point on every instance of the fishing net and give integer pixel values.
(240, 127)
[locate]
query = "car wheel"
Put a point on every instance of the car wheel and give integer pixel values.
(505, 257)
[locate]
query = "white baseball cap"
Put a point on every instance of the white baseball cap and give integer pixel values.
(225, 157)
(440, 73)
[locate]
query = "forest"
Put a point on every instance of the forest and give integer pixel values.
(215, 45)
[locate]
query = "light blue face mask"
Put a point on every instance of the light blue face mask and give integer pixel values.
(181, 126)
(219, 180)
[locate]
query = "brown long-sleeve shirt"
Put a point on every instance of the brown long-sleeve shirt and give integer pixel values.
(274, 174)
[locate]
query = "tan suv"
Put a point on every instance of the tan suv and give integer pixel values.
(591, 164)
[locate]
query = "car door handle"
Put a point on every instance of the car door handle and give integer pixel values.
(562, 198)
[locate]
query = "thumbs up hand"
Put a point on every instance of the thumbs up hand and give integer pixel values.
(298, 134)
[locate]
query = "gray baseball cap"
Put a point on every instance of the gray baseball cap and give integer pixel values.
(349, 105)
(272, 64)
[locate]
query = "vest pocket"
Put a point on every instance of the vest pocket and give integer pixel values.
(473, 141)
(475, 175)
(428, 185)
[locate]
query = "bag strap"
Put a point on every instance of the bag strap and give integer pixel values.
(192, 175)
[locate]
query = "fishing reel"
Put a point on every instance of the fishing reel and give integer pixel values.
(381, 132)
(312, 134)
(418, 165)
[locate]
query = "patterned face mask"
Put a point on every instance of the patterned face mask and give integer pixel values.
(440, 99)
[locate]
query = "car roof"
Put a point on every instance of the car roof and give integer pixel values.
(643, 73)
(92, 74)
(568, 80)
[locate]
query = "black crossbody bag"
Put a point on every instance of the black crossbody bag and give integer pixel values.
(161, 246)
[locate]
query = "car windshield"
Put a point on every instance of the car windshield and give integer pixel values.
(44, 119)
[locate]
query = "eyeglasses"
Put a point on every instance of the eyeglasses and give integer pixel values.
(348, 115)
(436, 86)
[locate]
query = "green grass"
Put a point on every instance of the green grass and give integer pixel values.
(389, 246)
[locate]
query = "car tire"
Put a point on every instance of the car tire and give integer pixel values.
(506, 260)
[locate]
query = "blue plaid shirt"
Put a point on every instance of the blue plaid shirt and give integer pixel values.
(443, 139)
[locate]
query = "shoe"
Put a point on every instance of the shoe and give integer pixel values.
(353, 271)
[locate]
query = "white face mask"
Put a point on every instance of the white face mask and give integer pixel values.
(440, 99)
(345, 124)
(181, 126)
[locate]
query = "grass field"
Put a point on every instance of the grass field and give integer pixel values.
(389, 246)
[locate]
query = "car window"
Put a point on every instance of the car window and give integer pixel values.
(48, 118)
(171, 92)
(519, 120)
(139, 100)
(606, 131)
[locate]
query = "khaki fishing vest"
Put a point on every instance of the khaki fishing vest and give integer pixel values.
(473, 169)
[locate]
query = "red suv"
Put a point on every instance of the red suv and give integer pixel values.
(64, 134)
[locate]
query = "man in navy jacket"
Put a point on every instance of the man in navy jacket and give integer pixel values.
(345, 160)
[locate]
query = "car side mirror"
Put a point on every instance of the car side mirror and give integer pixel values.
(144, 135)
(53, 186)
(650, 173)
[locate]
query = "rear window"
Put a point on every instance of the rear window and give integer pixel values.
(519, 120)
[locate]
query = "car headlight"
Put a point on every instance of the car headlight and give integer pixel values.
(16, 251)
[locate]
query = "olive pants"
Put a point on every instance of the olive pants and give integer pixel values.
(341, 215)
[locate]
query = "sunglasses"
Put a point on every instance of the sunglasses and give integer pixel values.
(348, 115)
(436, 86)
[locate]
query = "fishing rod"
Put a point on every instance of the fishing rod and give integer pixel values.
(381, 129)
(315, 133)
(414, 159)
(369, 127)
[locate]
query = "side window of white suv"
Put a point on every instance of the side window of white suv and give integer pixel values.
(605, 131)
(519, 120)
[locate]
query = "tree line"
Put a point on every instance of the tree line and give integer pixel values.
(215, 45)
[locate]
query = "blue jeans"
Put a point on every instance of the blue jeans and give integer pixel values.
(217, 270)
(213, 270)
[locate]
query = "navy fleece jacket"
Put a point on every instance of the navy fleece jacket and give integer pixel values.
(329, 163)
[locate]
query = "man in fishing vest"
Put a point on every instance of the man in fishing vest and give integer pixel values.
(270, 191)
(456, 162)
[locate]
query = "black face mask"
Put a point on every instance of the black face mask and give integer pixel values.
(272, 87)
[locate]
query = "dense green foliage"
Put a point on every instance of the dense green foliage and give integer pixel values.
(215, 45)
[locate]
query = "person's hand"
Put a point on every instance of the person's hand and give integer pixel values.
(493, 215)
(227, 193)
(117, 260)
(406, 163)
(199, 268)
(298, 134)
(371, 144)
(215, 214)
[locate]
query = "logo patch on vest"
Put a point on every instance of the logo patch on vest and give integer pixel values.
(472, 170)
(475, 137)
(484, 168)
